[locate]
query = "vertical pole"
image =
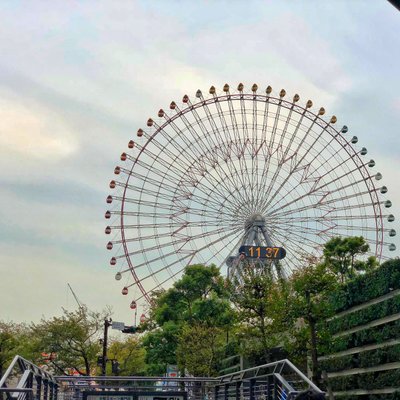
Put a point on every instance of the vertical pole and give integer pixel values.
(51, 391)
(226, 391)
(105, 338)
(216, 390)
(55, 392)
(237, 392)
(45, 389)
(38, 388)
(31, 395)
(252, 386)
(269, 387)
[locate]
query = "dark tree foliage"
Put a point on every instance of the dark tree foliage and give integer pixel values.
(188, 322)
(340, 255)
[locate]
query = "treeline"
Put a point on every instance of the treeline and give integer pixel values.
(203, 319)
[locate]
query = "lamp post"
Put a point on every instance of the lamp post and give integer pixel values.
(107, 324)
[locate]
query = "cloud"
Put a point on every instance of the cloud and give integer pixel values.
(34, 132)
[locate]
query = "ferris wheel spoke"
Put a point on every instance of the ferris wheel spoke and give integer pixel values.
(350, 152)
(237, 142)
(282, 218)
(190, 255)
(295, 163)
(184, 223)
(271, 142)
(211, 146)
(283, 159)
(178, 213)
(311, 176)
(178, 241)
(205, 178)
(195, 181)
(305, 240)
(313, 191)
(263, 142)
(247, 141)
(310, 231)
(179, 206)
(227, 158)
(254, 160)
(169, 195)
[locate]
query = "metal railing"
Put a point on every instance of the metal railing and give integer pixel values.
(279, 380)
(24, 380)
(195, 388)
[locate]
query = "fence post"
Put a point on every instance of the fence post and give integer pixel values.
(38, 392)
(237, 392)
(226, 391)
(252, 386)
(45, 389)
(216, 390)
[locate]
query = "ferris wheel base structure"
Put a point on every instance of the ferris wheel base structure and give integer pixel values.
(239, 168)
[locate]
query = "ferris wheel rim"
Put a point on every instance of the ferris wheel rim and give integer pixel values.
(255, 97)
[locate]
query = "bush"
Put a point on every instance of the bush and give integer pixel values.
(368, 286)
(337, 363)
(368, 381)
(377, 334)
(361, 317)
(365, 359)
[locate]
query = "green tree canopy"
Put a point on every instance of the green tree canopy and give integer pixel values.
(311, 287)
(340, 255)
(14, 340)
(255, 294)
(198, 301)
(130, 355)
(73, 337)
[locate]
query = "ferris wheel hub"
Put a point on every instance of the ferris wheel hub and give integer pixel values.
(255, 219)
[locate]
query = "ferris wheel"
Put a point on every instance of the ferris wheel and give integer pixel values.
(201, 176)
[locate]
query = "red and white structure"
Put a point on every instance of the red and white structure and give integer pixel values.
(196, 173)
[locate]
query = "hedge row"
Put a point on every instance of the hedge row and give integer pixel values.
(377, 334)
(368, 381)
(366, 287)
(364, 316)
(365, 359)
(391, 396)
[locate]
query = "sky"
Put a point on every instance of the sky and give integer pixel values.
(78, 78)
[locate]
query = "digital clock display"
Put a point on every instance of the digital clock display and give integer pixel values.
(270, 253)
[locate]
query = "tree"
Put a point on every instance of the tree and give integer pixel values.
(130, 355)
(198, 283)
(160, 345)
(12, 342)
(73, 338)
(309, 307)
(256, 295)
(198, 301)
(341, 256)
(199, 349)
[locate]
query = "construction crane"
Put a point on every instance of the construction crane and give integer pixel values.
(75, 297)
